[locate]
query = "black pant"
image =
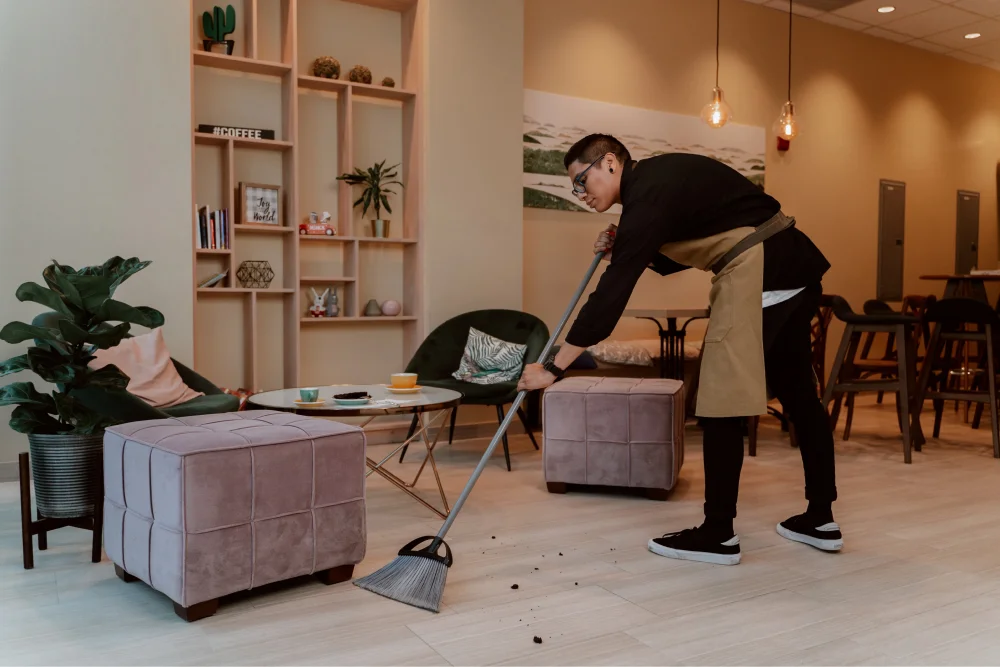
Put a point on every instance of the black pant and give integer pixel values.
(788, 367)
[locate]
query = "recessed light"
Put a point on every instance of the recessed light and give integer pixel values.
(886, 9)
(973, 35)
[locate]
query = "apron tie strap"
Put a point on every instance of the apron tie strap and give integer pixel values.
(777, 223)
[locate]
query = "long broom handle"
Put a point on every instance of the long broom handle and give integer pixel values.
(513, 408)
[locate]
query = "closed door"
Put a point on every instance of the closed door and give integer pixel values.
(967, 232)
(891, 226)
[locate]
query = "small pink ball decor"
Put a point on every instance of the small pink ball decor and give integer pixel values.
(391, 308)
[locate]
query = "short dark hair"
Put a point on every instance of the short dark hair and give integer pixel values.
(594, 146)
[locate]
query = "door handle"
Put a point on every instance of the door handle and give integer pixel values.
(974, 247)
(899, 242)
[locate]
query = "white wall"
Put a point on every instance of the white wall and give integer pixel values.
(473, 216)
(95, 154)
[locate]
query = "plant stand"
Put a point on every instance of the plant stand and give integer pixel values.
(43, 525)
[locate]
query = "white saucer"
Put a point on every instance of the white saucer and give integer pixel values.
(399, 390)
(309, 404)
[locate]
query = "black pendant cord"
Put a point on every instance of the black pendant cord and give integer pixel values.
(717, 24)
(789, 50)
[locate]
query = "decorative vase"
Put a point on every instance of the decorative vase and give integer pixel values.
(66, 470)
(380, 228)
(391, 308)
(219, 46)
(372, 308)
(332, 307)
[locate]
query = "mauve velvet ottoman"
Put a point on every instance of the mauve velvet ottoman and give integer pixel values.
(617, 432)
(201, 507)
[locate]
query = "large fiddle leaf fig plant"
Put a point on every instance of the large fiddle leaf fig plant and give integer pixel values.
(61, 355)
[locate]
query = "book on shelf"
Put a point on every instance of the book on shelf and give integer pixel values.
(212, 281)
(211, 229)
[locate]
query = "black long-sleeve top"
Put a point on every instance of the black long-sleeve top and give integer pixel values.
(679, 197)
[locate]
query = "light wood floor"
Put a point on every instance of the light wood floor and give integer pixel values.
(917, 583)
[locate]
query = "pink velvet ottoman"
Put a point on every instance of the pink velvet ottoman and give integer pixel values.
(618, 432)
(201, 507)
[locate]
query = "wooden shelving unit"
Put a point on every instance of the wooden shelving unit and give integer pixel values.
(270, 54)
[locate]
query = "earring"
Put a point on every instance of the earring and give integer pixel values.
(611, 170)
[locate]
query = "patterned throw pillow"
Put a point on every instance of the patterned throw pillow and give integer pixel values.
(489, 360)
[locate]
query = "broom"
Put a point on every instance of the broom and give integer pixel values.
(417, 575)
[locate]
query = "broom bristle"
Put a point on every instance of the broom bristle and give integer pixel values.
(414, 580)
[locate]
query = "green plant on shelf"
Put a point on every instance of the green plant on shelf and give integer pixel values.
(82, 300)
(223, 23)
(376, 181)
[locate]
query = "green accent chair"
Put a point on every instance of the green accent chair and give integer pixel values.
(125, 407)
(441, 352)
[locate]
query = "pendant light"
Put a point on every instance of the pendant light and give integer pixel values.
(786, 127)
(716, 113)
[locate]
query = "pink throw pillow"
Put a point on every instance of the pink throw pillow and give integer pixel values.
(146, 360)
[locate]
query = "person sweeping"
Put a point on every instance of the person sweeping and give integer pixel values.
(683, 211)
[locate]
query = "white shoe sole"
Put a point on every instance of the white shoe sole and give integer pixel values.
(822, 545)
(700, 556)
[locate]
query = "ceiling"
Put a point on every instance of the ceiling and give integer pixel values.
(933, 25)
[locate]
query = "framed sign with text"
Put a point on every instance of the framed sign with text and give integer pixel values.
(260, 204)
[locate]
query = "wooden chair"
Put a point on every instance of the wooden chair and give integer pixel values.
(844, 377)
(951, 318)
(818, 330)
(886, 366)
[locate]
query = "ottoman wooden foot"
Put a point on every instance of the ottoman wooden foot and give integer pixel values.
(657, 494)
(196, 612)
(556, 487)
(336, 575)
(124, 576)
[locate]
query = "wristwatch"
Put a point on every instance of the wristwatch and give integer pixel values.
(551, 367)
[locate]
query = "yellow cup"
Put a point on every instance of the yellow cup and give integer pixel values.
(403, 380)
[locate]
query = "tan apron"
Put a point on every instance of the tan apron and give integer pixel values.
(731, 381)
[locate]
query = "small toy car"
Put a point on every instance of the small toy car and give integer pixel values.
(318, 226)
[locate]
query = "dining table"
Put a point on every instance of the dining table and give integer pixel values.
(968, 285)
(671, 337)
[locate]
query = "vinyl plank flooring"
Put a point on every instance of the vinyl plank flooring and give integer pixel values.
(918, 581)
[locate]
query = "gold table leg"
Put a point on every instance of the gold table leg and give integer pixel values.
(377, 467)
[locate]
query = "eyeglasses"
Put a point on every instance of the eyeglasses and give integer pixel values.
(578, 187)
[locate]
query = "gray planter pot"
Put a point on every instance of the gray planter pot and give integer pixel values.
(66, 470)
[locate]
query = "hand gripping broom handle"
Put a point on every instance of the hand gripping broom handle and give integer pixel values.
(513, 408)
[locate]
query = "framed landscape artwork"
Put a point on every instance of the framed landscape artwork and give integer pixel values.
(553, 123)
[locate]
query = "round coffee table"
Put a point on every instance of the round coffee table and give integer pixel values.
(383, 403)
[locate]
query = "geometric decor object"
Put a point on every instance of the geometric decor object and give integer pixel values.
(255, 274)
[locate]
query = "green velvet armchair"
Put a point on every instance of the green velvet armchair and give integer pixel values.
(126, 407)
(441, 352)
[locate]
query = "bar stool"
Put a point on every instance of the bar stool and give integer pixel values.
(950, 318)
(845, 379)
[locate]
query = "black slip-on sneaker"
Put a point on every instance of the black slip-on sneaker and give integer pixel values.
(696, 544)
(802, 528)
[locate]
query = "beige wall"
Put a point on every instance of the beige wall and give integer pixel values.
(472, 218)
(869, 109)
(94, 153)
(472, 223)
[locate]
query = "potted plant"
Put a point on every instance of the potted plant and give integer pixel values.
(65, 436)
(217, 27)
(376, 181)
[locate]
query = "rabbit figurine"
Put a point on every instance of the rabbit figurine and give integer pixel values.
(332, 307)
(319, 303)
